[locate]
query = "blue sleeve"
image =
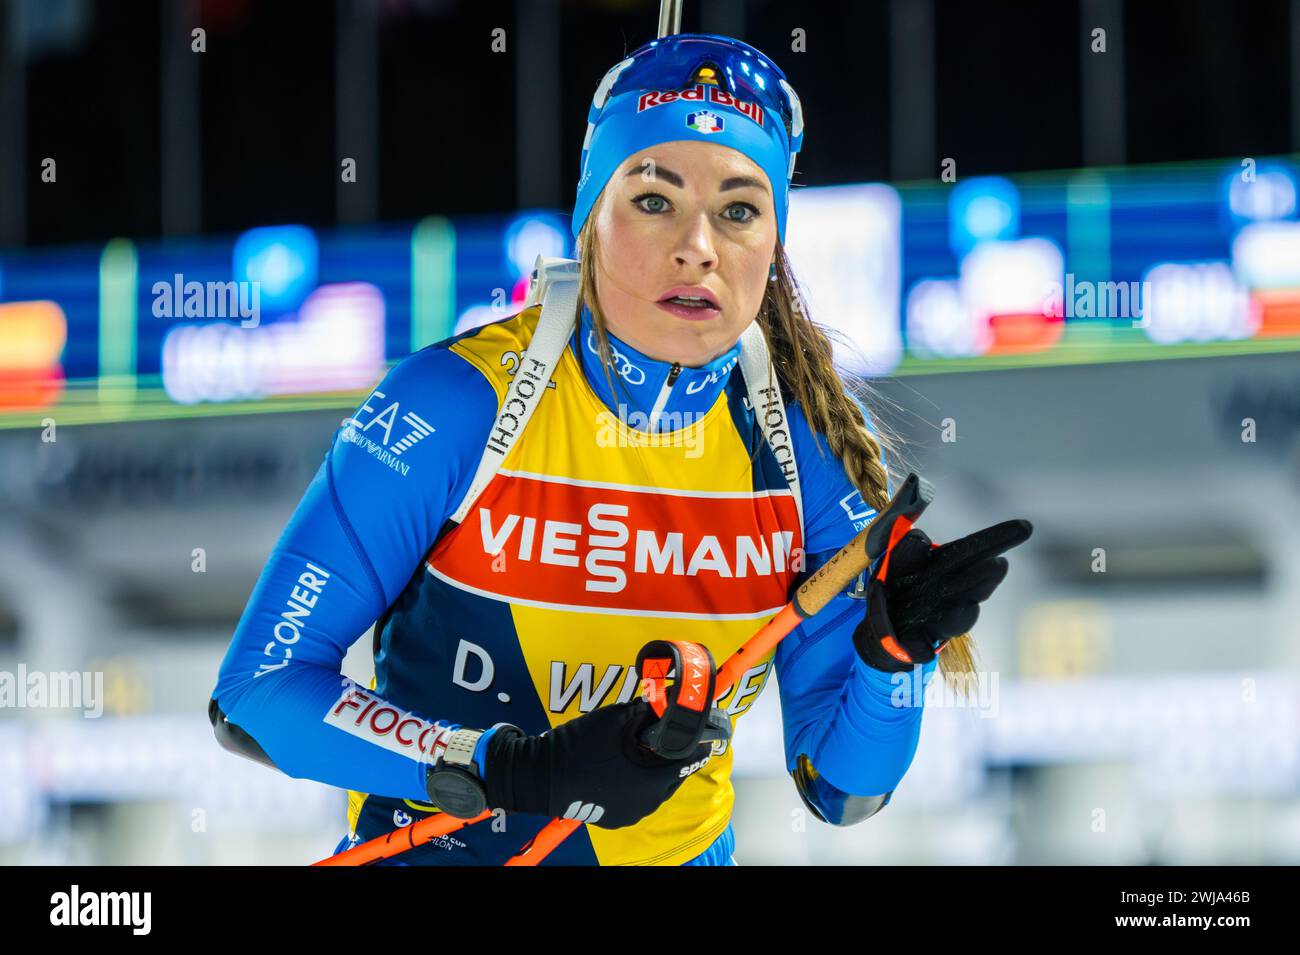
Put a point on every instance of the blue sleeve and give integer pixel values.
(836, 710)
(397, 468)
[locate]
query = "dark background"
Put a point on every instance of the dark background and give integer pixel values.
(442, 114)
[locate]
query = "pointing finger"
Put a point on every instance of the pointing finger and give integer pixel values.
(981, 545)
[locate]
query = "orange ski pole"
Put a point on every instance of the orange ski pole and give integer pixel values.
(399, 840)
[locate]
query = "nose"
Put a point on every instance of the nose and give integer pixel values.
(695, 248)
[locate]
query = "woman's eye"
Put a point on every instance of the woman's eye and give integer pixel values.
(651, 202)
(740, 212)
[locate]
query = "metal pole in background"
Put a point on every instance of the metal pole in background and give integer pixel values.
(13, 129)
(1102, 83)
(356, 110)
(670, 17)
(536, 43)
(181, 174)
(912, 90)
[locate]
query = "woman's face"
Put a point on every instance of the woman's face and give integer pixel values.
(690, 219)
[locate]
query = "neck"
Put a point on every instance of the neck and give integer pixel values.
(648, 394)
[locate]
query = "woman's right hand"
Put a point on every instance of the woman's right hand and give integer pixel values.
(592, 768)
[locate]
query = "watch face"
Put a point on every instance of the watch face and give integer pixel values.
(456, 793)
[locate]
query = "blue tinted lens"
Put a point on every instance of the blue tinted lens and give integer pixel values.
(672, 63)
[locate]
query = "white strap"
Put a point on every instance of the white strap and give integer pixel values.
(547, 271)
(555, 284)
(769, 409)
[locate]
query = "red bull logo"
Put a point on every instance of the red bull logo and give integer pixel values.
(700, 94)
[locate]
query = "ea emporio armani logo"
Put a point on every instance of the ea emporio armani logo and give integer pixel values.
(858, 510)
(381, 445)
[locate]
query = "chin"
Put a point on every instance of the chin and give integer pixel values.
(689, 343)
(705, 345)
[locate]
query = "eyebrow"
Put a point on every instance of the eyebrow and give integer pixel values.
(673, 179)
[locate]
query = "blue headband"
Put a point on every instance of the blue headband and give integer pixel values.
(639, 119)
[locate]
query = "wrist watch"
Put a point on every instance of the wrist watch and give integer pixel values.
(454, 783)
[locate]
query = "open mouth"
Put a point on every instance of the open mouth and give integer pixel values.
(690, 301)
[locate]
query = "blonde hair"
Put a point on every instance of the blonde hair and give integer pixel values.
(803, 361)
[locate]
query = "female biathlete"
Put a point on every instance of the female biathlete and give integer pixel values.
(655, 493)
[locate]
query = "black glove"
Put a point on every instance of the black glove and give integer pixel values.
(931, 593)
(592, 768)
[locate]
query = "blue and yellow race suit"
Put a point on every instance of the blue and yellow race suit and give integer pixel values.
(653, 509)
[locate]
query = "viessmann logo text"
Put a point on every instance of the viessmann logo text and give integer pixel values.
(564, 544)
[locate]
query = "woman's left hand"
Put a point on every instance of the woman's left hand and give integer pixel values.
(931, 593)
